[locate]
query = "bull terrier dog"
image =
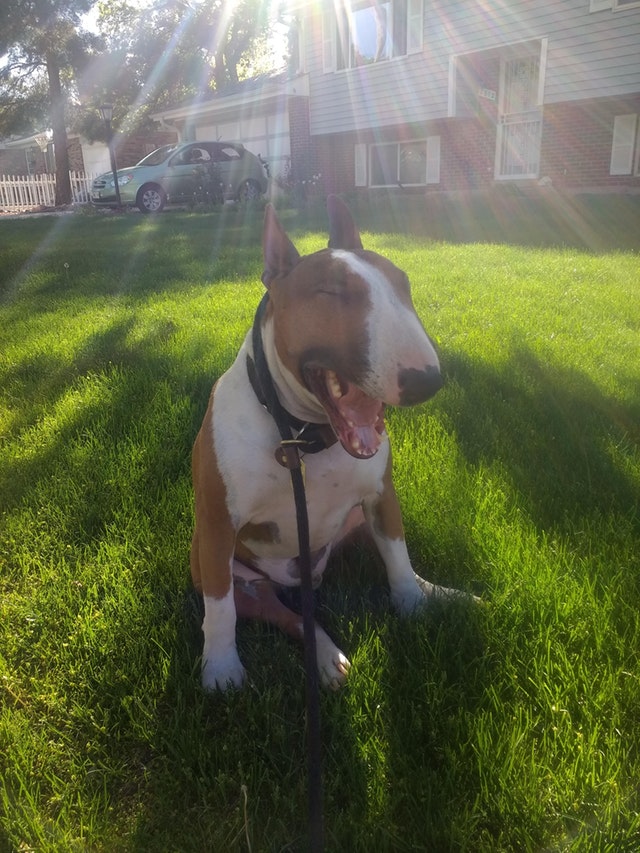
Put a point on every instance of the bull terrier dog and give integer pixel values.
(340, 339)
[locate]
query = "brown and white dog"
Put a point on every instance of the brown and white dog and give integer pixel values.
(341, 339)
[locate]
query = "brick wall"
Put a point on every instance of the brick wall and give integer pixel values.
(466, 153)
(576, 143)
(129, 150)
(336, 162)
(575, 150)
(303, 156)
(14, 162)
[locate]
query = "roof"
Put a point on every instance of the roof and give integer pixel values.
(263, 87)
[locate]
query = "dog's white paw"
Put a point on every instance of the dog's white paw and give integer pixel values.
(333, 666)
(417, 594)
(222, 672)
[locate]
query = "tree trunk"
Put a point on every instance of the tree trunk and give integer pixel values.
(63, 183)
(219, 70)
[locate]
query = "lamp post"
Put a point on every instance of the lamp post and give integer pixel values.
(106, 111)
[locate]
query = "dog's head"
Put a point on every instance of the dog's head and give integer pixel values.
(346, 330)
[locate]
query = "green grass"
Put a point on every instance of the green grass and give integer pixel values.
(511, 727)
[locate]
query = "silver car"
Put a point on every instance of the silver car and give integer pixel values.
(185, 172)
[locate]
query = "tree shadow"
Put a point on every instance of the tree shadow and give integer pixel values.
(507, 215)
(552, 429)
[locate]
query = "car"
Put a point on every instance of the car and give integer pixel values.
(185, 172)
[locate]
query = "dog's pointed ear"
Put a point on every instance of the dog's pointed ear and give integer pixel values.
(280, 255)
(343, 231)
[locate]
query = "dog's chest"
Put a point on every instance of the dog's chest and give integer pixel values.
(258, 489)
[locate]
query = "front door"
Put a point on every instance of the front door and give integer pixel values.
(519, 119)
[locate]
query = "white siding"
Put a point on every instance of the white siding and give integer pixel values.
(590, 54)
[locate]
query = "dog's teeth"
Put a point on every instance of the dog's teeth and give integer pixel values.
(355, 443)
(334, 384)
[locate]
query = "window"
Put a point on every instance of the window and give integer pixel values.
(365, 32)
(407, 164)
(616, 5)
(625, 142)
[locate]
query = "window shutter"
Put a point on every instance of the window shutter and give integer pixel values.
(599, 5)
(624, 135)
(433, 159)
(328, 42)
(415, 25)
(360, 153)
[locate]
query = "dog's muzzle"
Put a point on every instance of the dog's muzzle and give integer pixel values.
(416, 386)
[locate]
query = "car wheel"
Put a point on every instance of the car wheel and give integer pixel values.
(151, 198)
(249, 191)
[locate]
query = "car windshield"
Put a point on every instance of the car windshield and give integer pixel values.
(158, 156)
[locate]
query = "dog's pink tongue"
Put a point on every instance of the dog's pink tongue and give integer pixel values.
(360, 424)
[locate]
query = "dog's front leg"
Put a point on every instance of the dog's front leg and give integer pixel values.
(212, 551)
(221, 666)
(408, 590)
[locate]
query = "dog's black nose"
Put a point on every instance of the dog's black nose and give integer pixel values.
(416, 386)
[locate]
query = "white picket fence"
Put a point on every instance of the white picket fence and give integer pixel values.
(19, 193)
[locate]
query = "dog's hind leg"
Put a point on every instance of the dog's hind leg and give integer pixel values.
(257, 599)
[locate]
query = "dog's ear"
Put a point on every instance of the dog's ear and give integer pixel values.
(343, 231)
(280, 255)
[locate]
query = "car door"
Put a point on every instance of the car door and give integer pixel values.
(227, 159)
(181, 178)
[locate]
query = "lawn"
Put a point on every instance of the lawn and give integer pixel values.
(507, 727)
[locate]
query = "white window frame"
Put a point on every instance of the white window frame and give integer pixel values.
(432, 164)
(415, 26)
(624, 145)
(330, 24)
(615, 5)
(360, 155)
(621, 5)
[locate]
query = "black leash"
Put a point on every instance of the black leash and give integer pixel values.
(290, 457)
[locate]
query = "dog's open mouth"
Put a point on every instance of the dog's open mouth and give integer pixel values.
(356, 418)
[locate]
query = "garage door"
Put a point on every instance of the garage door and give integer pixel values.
(267, 136)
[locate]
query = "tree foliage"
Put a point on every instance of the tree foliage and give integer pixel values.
(145, 57)
(45, 46)
(171, 51)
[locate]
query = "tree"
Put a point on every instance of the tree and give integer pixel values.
(169, 52)
(44, 46)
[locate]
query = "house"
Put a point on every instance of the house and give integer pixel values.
(457, 95)
(446, 95)
(269, 114)
(34, 155)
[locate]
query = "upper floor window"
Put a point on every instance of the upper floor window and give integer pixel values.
(365, 32)
(616, 5)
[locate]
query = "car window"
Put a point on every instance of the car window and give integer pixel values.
(158, 156)
(199, 155)
(226, 153)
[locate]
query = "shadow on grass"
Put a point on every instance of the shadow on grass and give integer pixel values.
(561, 440)
(506, 214)
(63, 258)
(552, 430)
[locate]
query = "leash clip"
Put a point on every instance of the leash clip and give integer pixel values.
(288, 453)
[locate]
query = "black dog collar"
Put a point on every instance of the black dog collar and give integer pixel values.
(311, 438)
